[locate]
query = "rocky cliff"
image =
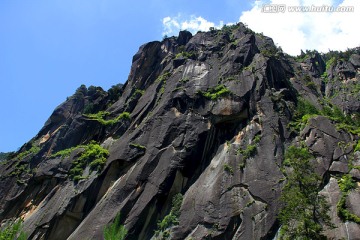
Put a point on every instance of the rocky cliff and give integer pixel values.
(193, 145)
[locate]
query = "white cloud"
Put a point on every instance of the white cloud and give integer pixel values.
(292, 31)
(172, 25)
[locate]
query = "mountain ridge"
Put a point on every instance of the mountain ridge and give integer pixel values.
(212, 113)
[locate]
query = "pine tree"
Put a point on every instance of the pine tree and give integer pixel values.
(305, 212)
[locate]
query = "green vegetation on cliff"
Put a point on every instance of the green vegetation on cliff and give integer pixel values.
(21, 166)
(304, 210)
(228, 169)
(12, 230)
(135, 145)
(171, 219)
(163, 77)
(4, 156)
(346, 184)
(305, 111)
(215, 93)
(185, 55)
(33, 150)
(250, 149)
(115, 231)
(93, 155)
(101, 115)
(66, 152)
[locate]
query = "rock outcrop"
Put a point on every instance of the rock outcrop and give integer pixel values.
(206, 116)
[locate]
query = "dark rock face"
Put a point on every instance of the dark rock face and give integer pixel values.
(195, 104)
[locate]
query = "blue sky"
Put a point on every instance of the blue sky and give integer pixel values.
(48, 48)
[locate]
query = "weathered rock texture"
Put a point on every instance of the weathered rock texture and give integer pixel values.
(182, 139)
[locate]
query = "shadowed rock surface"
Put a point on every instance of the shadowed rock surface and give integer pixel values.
(184, 122)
